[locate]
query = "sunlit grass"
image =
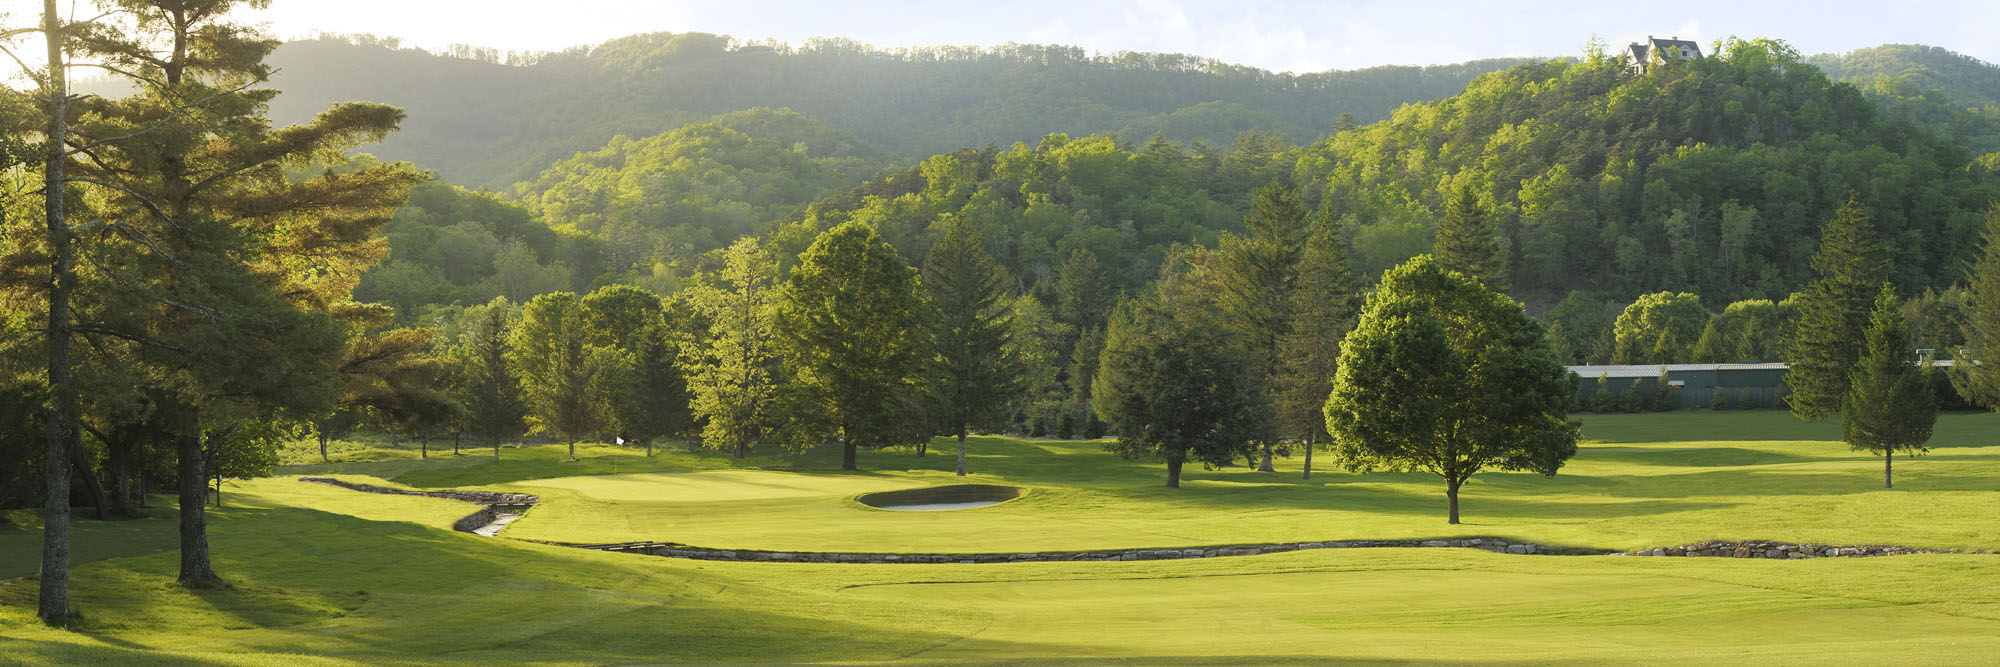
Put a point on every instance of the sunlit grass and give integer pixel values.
(328, 576)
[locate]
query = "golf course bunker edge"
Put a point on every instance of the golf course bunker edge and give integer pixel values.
(953, 497)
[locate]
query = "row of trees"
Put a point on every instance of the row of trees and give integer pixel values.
(850, 346)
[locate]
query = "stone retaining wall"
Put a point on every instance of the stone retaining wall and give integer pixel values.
(672, 550)
(1758, 549)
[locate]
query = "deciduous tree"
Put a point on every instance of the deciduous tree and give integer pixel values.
(732, 369)
(850, 323)
(1446, 376)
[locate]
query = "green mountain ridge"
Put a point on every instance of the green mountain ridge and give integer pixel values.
(486, 124)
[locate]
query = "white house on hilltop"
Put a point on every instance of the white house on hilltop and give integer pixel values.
(1653, 50)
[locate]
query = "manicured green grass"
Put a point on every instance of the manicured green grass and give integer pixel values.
(328, 576)
(1626, 494)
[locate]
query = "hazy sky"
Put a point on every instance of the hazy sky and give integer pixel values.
(1295, 36)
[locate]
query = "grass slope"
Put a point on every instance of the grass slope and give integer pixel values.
(328, 576)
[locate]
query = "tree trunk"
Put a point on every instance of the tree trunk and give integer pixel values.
(322, 448)
(1266, 465)
(195, 569)
(424, 445)
(395, 440)
(572, 449)
(143, 503)
(961, 452)
(1173, 474)
(847, 454)
(61, 429)
(218, 490)
(90, 482)
(496, 449)
(455, 437)
(1309, 461)
(118, 465)
(1451, 496)
(1888, 480)
(921, 446)
(741, 449)
(649, 448)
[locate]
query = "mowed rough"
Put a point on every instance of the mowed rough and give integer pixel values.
(328, 576)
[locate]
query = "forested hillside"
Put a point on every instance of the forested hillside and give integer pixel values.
(1712, 176)
(1954, 94)
(483, 123)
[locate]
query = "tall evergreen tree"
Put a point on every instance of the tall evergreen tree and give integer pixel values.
(1976, 380)
(977, 375)
(1888, 406)
(731, 368)
(1826, 341)
(1083, 292)
(565, 379)
(61, 420)
(850, 324)
(484, 380)
(226, 281)
(1323, 309)
(1710, 348)
(1468, 243)
(1258, 275)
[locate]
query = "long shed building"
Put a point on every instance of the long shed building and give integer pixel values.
(1695, 384)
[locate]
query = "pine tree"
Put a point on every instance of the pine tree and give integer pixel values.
(1258, 275)
(1888, 405)
(226, 280)
(1083, 293)
(1323, 309)
(1977, 382)
(977, 375)
(565, 379)
(1833, 313)
(1710, 348)
(484, 381)
(850, 324)
(1468, 244)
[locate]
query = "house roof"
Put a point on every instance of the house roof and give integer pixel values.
(1675, 43)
